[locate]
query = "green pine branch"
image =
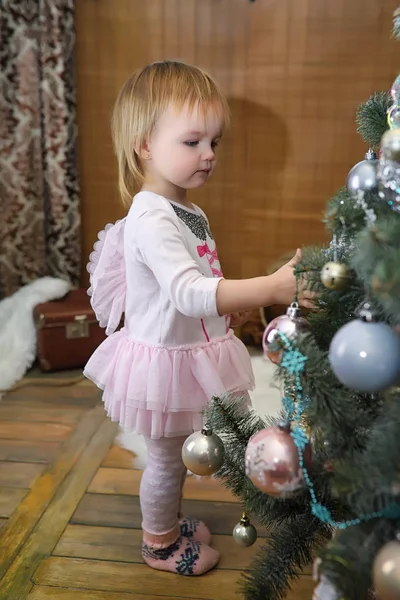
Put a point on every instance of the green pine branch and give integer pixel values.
(372, 118)
(348, 559)
(371, 482)
(289, 549)
(381, 273)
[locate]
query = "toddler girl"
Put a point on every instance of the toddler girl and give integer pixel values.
(159, 267)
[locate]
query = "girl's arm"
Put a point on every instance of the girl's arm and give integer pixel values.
(237, 295)
(163, 249)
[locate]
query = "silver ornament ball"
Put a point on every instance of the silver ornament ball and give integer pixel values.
(365, 356)
(244, 533)
(363, 176)
(203, 452)
(291, 325)
(386, 572)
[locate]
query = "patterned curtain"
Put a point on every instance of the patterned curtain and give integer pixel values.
(39, 193)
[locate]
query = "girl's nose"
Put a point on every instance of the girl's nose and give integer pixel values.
(208, 154)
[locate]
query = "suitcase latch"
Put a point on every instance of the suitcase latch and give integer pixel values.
(78, 328)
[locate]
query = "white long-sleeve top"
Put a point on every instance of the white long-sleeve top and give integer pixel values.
(172, 274)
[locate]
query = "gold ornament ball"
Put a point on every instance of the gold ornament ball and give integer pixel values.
(386, 572)
(335, 276)
(203, 452)
(244, 533)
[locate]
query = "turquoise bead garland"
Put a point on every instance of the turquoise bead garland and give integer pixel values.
(293, 361)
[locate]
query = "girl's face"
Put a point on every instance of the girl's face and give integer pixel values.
(181, 149)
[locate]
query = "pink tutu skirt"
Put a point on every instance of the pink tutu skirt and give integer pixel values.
(161, 392)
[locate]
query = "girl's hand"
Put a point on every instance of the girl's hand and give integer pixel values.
(239, 318)
(285, 285)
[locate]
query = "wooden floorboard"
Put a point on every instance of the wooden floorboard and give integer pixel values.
(35, 502)
(28, 451)
(10, 499)
(17, 580)
(134, 578)
(19, 475)
(119, 457)
(48, 414)
(75, 395)
(122, 578)
(43, 432)
(40, 592)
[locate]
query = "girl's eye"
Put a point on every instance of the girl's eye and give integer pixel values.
(214, 144)
(191, 144)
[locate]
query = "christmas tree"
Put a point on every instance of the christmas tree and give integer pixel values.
(325, 479)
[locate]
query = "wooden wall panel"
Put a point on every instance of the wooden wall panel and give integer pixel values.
(294, 72)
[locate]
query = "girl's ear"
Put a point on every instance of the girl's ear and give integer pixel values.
(143, 150)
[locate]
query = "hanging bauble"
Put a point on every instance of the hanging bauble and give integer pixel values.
(365, 355)
(389, 169)
(335, 275)
(203, 452)
(386, 572)
(291, 325)
(390, 145)
(244, 533)
(395, 89)
(272, 461)
(363, 176)
(393, 114)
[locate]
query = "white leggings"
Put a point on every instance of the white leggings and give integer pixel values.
(162, 484)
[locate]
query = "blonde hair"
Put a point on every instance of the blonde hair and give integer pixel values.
(142, 100)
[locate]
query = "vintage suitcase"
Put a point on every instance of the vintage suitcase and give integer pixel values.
(67, 332)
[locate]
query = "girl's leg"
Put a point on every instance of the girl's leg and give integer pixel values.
(163, 546)
(183, 479)
(191, 528)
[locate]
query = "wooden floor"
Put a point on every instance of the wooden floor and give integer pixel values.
(69, 509)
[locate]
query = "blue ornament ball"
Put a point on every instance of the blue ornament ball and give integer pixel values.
(365, 356)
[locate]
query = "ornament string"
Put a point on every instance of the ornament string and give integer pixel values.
(334, 243)
(296, 294)
(293, 362)
(370, 216)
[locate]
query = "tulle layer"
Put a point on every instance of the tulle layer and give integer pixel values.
(161, 392)
(107, 276)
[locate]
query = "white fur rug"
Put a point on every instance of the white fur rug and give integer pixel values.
(17, 327)
(266, 400)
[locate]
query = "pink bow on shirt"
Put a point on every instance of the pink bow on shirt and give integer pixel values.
(203, 250)
(212, 256)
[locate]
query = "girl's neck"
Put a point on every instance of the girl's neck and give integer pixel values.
(168, 190)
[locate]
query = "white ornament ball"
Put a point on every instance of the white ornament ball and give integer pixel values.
(365, 356)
